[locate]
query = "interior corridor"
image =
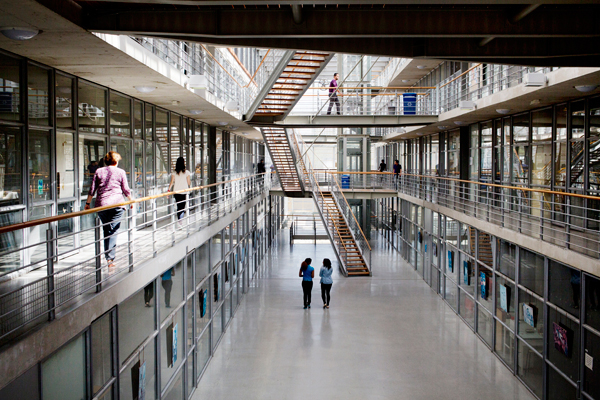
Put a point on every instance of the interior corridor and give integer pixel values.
(385, 337)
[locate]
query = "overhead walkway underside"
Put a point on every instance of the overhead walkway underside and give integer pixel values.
(340, 121)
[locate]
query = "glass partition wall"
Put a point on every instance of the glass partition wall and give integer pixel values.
(54, 136)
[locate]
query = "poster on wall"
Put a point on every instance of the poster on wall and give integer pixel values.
(174, 344)
(202, 301)
(530, 314)
(219, 285)
(504, 297)
(216, 287)
(450, 261)
(483, 285)
(561, 338)
(142, 382)
(467, 272)
(169, 340)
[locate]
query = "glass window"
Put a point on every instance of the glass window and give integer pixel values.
(594, 145)
(64, 101)
(10, 241)
(136, 320)
(485, 324)
(507, 253)
(202, 353)
(451, 294)
(141, 371)
(505, 304)
(505, 345)
(10, 165)
(162, 126)
(138, 163)
(217, 327)
(521, 162)
(203, 307)
(10, 101)
(65, 165)
(38, 165)
(92, 108)
(162, 165)
(150, 172)
(592, 301)
(123, 147)
(564, 287)
(175, 391)
(559, 388)
(138, 117)
(149, 126)
(216, 246)
(66, 365)
(202, 262)
(91, 156)
(101, 346)
(563, 343)
(484, 287)
(37, 95)
(172, 346)
(577, 143)
(171, 292)
(531, 320)
(120, 115)
(560, 158)
(25, 387)
(532, 271)
(541, 147)
(467, 308)
(530, 368)
(591, 373)
(176, 141)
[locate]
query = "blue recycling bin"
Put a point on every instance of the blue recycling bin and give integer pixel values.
(345, 181)
(410, 103)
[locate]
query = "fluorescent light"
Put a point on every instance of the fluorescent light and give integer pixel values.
(174, 102)
(195, 112)
(586, 88)
(15, 33)
(405, 80)
(145, 89)
(503, 110)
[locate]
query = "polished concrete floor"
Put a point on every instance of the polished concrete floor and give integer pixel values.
(385, 337)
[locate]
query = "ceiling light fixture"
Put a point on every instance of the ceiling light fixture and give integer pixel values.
(174, 102)
(233, 128)
(586, 88)
(534, 102)
(222, 123)
(145, 89)
(421, 66)
(502, 110)
(195, 112)
(460, 123)
(16, 33)
(442, 127)
(405, 80)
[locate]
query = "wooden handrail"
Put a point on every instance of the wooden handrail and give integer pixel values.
(526, 189)
(28, 224)
(466, 72)
(353, 216)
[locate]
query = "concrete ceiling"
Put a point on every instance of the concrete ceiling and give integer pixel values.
(411, 73)
(67, 47)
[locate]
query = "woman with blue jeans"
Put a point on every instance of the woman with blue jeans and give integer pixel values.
(110, 185)
(307, 273)
(326, 282)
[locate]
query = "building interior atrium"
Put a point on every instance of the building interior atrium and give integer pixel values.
(439, 161)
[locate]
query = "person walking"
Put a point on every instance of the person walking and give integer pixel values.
(260, 169)
(109, 185)
(397, 171)
(326, 282)
(307, 273)
(382, 168)
(180, 180)
(167, 283)
(333, 94)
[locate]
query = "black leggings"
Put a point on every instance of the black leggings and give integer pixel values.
(307, 289)
(326, 292)
(180, 199)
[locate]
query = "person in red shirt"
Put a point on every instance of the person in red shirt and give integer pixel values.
(333, 97)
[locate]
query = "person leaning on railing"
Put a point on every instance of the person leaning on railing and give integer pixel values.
(110, 185)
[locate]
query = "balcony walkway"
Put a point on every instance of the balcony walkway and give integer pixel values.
(385, 337)
(332, 121)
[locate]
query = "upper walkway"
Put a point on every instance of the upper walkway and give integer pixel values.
(384, 337)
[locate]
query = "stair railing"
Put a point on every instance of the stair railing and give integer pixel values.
(355, 229)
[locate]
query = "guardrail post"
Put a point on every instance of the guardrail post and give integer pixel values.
(172, 209)
(98, 250)
(130, 227)
(50, 272)
(154, 227)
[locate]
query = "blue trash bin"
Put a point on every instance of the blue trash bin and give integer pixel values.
(410, 103)
(345, 181)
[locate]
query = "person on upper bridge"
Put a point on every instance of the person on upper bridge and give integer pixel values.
(333, 94)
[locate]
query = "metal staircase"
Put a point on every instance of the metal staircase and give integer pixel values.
(293, 76)
(279, 146)
(349, 242)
